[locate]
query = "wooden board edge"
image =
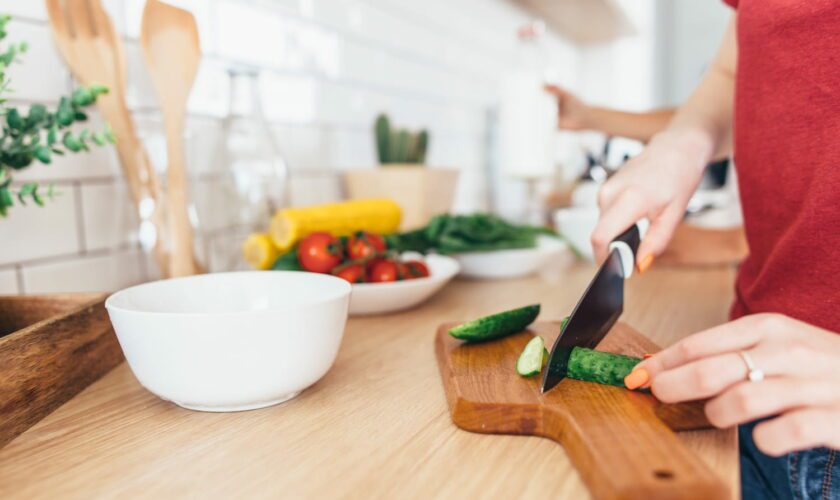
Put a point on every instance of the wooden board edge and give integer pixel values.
(49, 362)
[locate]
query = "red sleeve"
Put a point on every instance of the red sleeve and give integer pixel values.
(731, 3)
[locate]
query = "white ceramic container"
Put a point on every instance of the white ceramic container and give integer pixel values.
(576, 225)
(380, 298)
(506, 264)
(231, 341)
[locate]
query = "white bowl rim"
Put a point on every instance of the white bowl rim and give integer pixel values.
(343, 291)
(456, 268)
(546, 243)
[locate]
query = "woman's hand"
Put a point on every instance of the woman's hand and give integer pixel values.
(801, 388)
(573, 113)
(657, 184)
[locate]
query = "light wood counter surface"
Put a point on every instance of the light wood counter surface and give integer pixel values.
(376, 426)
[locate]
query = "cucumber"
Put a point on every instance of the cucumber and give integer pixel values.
(600, 367)
(533, 358)
(497, 325)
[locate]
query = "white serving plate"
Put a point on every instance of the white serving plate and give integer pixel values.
(231, 341)
(505, 264)
(380, 298)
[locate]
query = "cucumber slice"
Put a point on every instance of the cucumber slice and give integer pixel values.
(533, 358)
(497, 325)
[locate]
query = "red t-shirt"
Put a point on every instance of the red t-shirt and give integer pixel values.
(787, 154)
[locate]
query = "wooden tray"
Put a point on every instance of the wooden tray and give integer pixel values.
(621, 442)
(51, 347)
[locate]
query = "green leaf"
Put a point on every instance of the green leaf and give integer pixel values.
(6, 201)
(82, 97)
(26, 190)
(37, 115)
(43, 154)
(96, 90)
(14, 120)
(65, 113)
(52, 134)
(99, 138)
(37, 198)
(71, 142)
(79, 116)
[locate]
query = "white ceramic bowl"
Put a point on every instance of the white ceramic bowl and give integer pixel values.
(505, 264)
(380, 298)
(576, 225)
(231, 341)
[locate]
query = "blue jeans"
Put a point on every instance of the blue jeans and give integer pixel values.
(803, 475)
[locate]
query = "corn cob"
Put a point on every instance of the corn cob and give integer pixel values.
(289, 225)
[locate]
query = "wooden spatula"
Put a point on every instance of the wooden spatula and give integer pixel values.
(92, 49)
(169, 37)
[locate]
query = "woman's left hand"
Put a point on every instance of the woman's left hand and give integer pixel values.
(801, 364)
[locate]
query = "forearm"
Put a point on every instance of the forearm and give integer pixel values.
(704, 123)
(639, 126)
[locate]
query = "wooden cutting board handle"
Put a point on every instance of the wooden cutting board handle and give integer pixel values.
(613, 436)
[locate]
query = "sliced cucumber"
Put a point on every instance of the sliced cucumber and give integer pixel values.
(497, 325)
(533, 358)
(600, 367)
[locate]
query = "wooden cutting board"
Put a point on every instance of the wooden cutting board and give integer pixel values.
(622, 442)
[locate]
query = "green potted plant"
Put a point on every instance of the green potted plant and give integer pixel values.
(38, 134)
(422, 192)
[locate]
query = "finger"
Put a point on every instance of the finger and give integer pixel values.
(660, 232)
(748, 401)
(627, 209)
(698, 379)
(737, 335)
(799, 430)
(710, 376)
(555, 91)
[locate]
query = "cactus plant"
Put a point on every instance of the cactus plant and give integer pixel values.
(399, 145)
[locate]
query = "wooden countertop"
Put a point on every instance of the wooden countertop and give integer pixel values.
(376, 425)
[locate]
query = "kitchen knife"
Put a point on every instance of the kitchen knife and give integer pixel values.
(599, 308)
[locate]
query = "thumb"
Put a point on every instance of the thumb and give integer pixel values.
(659, 234)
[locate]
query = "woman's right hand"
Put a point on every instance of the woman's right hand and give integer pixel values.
(657, 184)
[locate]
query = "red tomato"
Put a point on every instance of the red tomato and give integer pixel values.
(363, 245)
(353, 273)
(413, 269)
(319, 252)
(383, 271)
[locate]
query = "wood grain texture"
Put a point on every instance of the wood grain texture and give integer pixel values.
(44, 365)
(699, 246)
(20, 311)
(612, 435)
(376, 426)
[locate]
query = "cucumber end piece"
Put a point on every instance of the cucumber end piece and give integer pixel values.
(532, 359)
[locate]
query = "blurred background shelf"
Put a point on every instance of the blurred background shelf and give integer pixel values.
(582, 21)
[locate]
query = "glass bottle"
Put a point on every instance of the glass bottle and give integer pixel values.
(253, 175)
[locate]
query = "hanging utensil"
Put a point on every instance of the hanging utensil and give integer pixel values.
(93, 50)
(169, 37)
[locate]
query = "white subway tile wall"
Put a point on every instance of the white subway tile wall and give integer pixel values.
(327, 68)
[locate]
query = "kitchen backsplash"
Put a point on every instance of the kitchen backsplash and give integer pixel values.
(327, 67)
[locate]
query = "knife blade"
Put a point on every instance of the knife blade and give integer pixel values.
(599, 308)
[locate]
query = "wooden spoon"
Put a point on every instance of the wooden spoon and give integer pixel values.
(169, 37)
(86, 39)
